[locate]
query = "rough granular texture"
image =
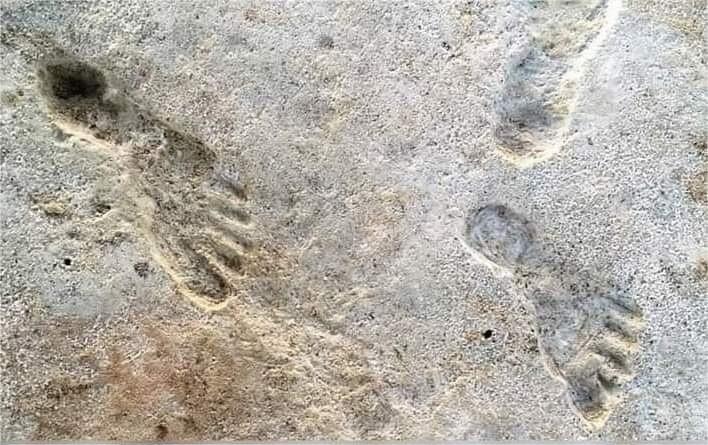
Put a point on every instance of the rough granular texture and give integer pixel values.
(353, 220)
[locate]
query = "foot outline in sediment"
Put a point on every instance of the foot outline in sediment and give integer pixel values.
(586, 329)
(191, 216)
(540, 90)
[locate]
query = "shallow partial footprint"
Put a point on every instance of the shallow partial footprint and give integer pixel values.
(586, 328)
(191, 217)
(540, 90)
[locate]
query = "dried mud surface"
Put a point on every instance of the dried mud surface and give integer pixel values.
(353, 220)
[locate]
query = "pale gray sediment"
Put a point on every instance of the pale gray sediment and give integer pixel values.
(249, 220)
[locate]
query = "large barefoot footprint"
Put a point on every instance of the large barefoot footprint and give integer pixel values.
(587, 330)
(541, 87)
(190, 216)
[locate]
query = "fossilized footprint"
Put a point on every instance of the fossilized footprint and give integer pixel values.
(541, 86)
(587, 329)
(191, 217)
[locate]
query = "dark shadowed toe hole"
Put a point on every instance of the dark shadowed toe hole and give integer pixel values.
(71, 79)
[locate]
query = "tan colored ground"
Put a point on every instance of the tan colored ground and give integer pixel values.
(353, 220)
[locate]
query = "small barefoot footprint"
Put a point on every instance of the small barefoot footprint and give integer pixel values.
(541, 87)
(587, 330)
(191, 217)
